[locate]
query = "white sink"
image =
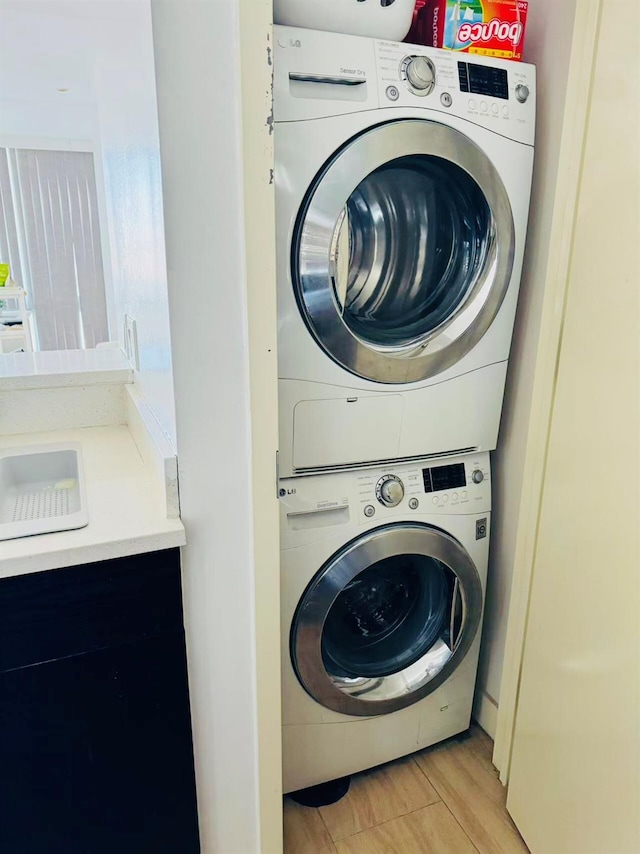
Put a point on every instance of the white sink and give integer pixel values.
(41, 490)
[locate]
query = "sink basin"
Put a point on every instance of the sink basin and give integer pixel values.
(41, 490)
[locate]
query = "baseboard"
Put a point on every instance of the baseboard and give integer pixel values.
(485, 712)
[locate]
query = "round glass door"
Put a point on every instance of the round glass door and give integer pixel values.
(408, 248)
(386, 620)
(403, 251)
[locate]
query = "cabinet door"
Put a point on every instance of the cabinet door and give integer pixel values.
(45, 616)
(96, 753)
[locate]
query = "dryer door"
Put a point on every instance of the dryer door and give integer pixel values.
(403, 251)
(386, 620)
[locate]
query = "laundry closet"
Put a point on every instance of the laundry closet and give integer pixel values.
(402, 182)
(304, 342)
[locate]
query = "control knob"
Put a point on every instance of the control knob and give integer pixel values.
(389, 490)
(522, 93)
(420, 73)
(477, 476)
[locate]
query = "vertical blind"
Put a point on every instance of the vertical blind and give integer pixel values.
(49, 233)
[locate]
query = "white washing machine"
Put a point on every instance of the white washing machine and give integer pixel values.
(383, 576)
(402, 178)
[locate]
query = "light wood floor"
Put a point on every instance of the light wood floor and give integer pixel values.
(444, 800)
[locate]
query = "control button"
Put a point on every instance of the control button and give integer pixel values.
(483, 106)
(392, 493)
(389, 490)
(477, 476)
(505, 110)
(413, 503)
(420, 73)
(435, 499)
(472, 104)
(494, 109)
(446, 99)
(369, 510)
(455, 496)
(445, 498)
(464, 493)
(522, 93)
(392, 93)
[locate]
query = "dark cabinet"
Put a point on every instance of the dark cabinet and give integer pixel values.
(95, 733)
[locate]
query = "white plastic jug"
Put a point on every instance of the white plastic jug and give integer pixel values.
(381, 19)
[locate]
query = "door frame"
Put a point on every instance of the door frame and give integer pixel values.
(214, 90)
(255, 28)
(581, 66)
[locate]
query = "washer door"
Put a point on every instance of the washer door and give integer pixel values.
(403, 251)
(386, 620)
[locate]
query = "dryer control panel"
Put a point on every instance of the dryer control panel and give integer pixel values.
(496, 94)
(319, 74)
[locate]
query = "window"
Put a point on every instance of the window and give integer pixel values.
(50, 235)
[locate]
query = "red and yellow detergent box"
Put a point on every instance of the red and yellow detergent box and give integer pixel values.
(487, 27)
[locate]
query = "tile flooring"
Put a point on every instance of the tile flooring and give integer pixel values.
(446, 799)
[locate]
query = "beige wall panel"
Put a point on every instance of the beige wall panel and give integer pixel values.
(575, 773)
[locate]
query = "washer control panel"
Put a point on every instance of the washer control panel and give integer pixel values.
(310, 506)
(460, 485)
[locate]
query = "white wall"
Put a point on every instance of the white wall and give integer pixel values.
(42, 51)
(547, 45)
(220, 256)
(128, 121)
(25, 123)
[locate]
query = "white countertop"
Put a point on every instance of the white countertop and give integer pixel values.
(63, 368)
(126, 504)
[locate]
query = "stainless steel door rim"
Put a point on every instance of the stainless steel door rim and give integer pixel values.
(316, 266)
(375, 695)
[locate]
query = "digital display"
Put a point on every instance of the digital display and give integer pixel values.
(483, 80)
(444, 477)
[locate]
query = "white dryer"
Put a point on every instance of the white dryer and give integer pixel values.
(402, 178)
(383, 576)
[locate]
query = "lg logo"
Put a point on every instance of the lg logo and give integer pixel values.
(283, 492)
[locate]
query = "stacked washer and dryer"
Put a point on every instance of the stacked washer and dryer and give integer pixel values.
(402, 177)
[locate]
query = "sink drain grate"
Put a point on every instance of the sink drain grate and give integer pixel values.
(42, 503)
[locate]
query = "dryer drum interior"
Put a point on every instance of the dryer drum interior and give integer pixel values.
(411, 242)
(386, 620)
(403, 251)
